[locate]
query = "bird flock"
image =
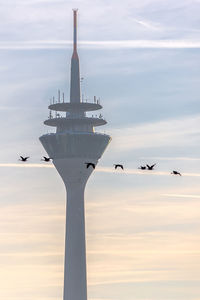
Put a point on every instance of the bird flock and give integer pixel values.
(93, 165)
(25, 158)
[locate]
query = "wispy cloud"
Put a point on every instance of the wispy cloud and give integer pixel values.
(148, 24)
(22, 165)
(101, 169)
(112, 44)
(147, 172)
(181, 196)
(171, 158)
(126, 242)
(171, 132)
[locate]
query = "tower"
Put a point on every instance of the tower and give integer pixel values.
(73, 145)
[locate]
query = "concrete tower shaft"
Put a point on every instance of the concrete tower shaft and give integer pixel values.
(73, 145)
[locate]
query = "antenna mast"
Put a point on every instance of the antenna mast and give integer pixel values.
(75, 30)
(75, 73)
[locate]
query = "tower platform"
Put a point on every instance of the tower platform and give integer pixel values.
(66, 122)
(81, 106)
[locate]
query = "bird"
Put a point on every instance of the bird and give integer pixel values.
(150, 167)
(46, 159)
(142, 168)
(88, 164)
(24, 158)
(119, 166)
(176, 173)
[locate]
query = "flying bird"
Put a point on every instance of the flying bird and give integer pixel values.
(150, 167)
(88, 164)
(24, 158)
(176, 173)
(119, 166)
(142, 168)
(46, 159)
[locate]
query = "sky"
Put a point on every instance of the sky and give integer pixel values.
(142, 58)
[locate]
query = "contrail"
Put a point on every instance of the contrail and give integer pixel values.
(171, 158)
(140, 172)
(130, 171)
(22, 165)
(100, 169)
(109, 44)
(181, 196)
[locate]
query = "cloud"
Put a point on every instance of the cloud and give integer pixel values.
(181, 158)
(126, 242)
(112, 44)
(181, 196)
(24, 165)
(173, 132)
(148, 24)
(101, 169)
(146, 172)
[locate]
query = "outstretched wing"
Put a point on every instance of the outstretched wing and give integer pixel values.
(87, 165)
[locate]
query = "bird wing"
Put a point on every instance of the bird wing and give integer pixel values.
(153, 166)
(21, 157)
(27, 157)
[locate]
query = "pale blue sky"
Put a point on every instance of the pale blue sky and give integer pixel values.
(142, 58)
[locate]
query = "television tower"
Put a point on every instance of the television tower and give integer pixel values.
(73, 145)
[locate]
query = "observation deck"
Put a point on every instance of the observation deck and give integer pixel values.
(66, 121)
(70, 106)
(76, 118)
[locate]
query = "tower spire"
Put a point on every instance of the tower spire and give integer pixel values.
(75, 30)
(75, 73)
